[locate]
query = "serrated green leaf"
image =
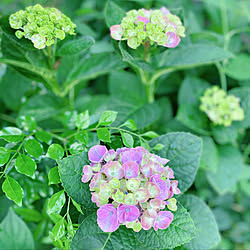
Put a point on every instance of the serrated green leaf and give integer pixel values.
(107, 118)
(129, 124)
(13, 190)
(207, 230)
(113, 13)
(33, 147)
(184, 151)
(25, 165)
(180, 231)
(43, 136)
(90, 236)
(15, 234)
(127, 139)
(55, 152)
(56, 202)
(54, 177)
(238, 67)
(82, 120)
(228, 171)
(11, 134)
(103, 134)
(4, 155)
(75, 46)
(70, 170)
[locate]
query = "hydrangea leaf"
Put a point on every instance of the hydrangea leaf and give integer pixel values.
(208, 234)
(90, 236)
(71, 171)
(228, 171)
(180, 231)
(15, 234)
(184, 151)
(33, 147)
(25, 165)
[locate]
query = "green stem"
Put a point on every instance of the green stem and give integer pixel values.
(224, 17)
(223, 78)
(50, 57)
(150, 92)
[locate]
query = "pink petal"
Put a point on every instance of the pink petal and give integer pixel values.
(142, 19)
(174, 185)
(169, 173)
(87, 173)
(142, 195)
(131, 155)
(172, 40)
(148, 219)
(110, 155)
(147, 170)
(131, 169)
(164, 11)
(113, 169)
(158, 159)
(157, 168)
(107, 218)
(153, 189)
(96, 181)
(156, 204)
(116, 32)
(163, 220)
(96, 153)
(127, 213)
(163, 185)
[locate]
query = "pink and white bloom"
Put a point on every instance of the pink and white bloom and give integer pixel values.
(163, 220)
(87, 173)
(148, 219)
(127, 213)
(131, 169)
(153, 189)
(116, 32)
(173, 40)
(113, 169)
(96, 153)
(164, 186)
(107, 218)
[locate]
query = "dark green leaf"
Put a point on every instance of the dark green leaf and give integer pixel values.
(75, 46)
(180, 231)
(103, 134)
(113, 13)
(56, 202)
(207, 230)
(184, 151)
(13, 190)
(15, 234)
(54, 177)
(55, 152)
(70, 170)
(25, 165)
(33, 147)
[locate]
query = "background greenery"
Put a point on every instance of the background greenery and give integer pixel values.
(101, 78)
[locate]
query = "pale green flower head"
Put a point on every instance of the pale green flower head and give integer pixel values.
(41, 25)
(222, 109)
(148, 27)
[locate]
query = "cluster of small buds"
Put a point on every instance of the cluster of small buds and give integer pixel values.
(221, 108)
(130, 186)
(41, 25)
(149, 26)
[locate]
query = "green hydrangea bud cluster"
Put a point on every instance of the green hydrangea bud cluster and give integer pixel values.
(41, 25)
(221, 108)
(152, 26)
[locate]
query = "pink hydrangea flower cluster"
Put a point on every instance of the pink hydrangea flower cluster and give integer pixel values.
(149, 26)
(131, 187)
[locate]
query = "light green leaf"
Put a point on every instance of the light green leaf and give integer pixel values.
(150, 134)
(69, 119)
(103, 134)
(107, 118)
(56, 202)
(54, 177)
(90, 236)
(184, 151)
(11, 134)
(70, 170)
(82, 137)
(28, 123)
(127, 139)
(228, 171)
(55, 152)
(82, 120)
(77, 206)
(43, 136)
(129, 124)
(207, 230)
(180, 231)
(4, 155)
(193, 56)
(238, 67)
(158, 147)
(25, 165)
(59, 229)
(33, 147)
(29, 214)
(15, 234)
(209, 156)
(13, 190)
(75, 46)
(113, 13)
